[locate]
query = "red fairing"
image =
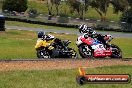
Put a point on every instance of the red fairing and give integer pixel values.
(100, 52)
(88, 41)
(106, 38)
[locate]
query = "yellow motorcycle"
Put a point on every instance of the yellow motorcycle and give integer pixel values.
(54, 49)
(42, 47)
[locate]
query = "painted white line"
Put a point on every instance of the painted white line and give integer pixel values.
(30, 30)
(67, 33)
(55, 32)
(87, 19)
(112, 21)
(123, 22)
(98, 20)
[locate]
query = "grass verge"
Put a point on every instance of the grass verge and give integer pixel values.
(58, 78)
(21, 24)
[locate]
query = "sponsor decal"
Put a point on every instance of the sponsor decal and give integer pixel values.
(83, 78)
(107, 78)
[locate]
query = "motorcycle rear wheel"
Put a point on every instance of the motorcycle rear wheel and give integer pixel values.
(73, 54)
(116, 51)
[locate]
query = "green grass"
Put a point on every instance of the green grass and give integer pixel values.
(0, 4)
(40, 7)
(91, 13)
(20, 44)
(58, 78)
(125, 44)
(17, 44)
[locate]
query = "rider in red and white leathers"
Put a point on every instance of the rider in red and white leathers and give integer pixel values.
(89, 32)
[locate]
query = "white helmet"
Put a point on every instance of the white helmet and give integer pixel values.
(82, 28)
(85, 29)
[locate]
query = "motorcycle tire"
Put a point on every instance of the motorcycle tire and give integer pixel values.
(85, 51)
(74, 54)
(116, 51)
(42, 54)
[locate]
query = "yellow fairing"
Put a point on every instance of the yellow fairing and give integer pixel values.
(43, 43)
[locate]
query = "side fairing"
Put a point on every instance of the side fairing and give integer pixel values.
(39, 43)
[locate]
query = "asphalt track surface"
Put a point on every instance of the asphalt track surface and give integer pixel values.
(114, 34)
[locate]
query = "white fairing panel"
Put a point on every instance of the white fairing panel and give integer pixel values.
(51, 36)
(78, 42)
(98, 47)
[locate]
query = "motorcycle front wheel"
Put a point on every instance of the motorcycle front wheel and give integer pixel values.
(85, 51)
(41, 53)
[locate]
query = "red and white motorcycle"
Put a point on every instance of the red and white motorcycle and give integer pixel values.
(91, 47)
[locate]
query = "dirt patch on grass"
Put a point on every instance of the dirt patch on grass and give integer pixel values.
(58, 64)
(2, 33)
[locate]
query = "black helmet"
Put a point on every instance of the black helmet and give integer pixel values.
(86, 36)
(90, 30)
(41, 34)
